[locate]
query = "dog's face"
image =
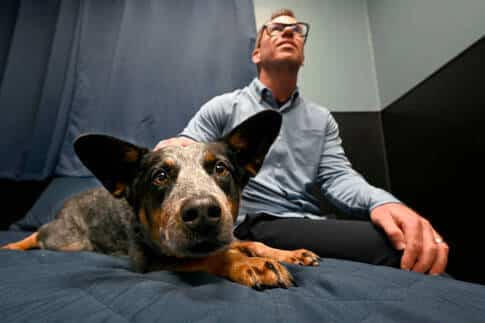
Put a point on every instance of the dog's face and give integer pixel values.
(188, 198)
(185, 198)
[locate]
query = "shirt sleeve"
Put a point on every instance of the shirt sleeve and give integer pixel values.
(341, 184)
(209, 122)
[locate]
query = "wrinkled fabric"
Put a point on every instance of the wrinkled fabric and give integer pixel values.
(47, 286)
(137, 70)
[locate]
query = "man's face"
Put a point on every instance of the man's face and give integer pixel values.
(284, 48)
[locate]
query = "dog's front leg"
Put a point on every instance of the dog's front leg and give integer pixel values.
(257, 249)
(138, 257)
(255, 272)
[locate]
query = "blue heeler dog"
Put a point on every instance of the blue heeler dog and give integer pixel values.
(174, 208)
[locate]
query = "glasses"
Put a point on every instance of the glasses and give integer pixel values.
(276, 28)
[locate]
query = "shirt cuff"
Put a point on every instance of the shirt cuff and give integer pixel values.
(381, 197)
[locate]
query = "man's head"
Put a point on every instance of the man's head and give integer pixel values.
(281, 40)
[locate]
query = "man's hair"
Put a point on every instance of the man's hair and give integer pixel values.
(275, 14)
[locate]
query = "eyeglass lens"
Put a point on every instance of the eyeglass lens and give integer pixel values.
(277, 28)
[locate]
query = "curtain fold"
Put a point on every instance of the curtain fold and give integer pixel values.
(132, 69)
(24, 80)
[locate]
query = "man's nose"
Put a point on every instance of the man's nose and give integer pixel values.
(288, 32)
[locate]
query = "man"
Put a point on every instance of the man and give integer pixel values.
(281, 210)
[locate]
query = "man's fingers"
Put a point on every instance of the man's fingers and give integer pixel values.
(424, 249)
(163, 143)
(428, 253)
(414, 242)
(176, 141)
(441, 259)
(393, 232)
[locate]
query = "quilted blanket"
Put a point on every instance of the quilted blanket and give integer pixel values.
(47, 286)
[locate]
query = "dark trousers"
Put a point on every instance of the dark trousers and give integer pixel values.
(344, 239)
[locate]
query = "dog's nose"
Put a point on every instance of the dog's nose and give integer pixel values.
(201, 214)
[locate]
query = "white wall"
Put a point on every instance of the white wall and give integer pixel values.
(338, 71)
(414, 38)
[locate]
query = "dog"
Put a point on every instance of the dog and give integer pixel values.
(174, 208)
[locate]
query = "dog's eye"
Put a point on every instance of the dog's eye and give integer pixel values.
(221, 169)
(160, 177)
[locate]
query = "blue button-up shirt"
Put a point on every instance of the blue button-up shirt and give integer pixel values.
(308, 150)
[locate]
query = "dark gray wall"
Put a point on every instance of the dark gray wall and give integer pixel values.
(435, 142)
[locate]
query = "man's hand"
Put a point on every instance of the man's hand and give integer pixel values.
(424, 249)
(174, 141)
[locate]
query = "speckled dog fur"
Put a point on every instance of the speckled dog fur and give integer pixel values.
(173, 208)
(139, 211)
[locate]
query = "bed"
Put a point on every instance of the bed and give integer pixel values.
(47, 286)
(118, 67)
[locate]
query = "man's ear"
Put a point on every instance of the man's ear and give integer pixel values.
(113, 161)
(251, 140)
(256, 56)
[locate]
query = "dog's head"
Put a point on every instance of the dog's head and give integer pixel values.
(186, 198)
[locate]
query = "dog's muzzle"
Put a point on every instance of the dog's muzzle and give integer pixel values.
(201, 215)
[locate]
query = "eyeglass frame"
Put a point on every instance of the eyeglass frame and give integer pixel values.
(307, 25)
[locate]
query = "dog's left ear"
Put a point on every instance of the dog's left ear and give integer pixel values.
(252, 139)
(113, 161)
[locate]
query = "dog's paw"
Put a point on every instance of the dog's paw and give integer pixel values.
(301, 257)
(11, 246)
(261, 273)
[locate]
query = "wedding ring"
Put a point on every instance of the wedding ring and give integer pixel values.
(438, 240)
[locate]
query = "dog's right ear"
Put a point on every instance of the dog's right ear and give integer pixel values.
(113, 161)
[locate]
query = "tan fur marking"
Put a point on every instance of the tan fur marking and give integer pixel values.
(143, 218)
(75, 246)
(209, 157)
(131, 155)
(237, 141)
(169, 162)
(258, 249)
(250, 168)
(119, 189)
(236, 266)
(233, 206)
(156, 225)
(28, 243)
(240, 143)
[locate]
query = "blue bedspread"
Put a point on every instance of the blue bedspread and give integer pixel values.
(47, 286)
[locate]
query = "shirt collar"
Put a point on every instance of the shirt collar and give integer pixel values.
(264, 94)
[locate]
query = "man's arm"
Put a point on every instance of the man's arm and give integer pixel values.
(423, 248)
(341, 184)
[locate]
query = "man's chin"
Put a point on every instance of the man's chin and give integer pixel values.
(287, 60)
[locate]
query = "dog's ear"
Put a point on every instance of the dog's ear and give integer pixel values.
(252, 139)
(113, 161)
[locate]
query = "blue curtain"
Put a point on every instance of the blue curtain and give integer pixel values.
(133, 69)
